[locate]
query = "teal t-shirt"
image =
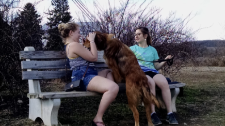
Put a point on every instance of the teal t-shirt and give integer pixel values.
(146, 54)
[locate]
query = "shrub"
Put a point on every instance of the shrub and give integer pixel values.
(169, 36)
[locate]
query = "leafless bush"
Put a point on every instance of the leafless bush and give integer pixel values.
(169, 36)
(209, 61)
(222, 62)
(209, 54)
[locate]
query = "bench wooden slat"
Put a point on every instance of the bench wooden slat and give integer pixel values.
(59, 64)
(171, 86)
(55, 95)
(51, 55)
(122, 86)
(47, 74)
(100, 59)
(101, 65)
(177, 85)
(63, 94)
(44, 74)
(42, 54)
(59, 74)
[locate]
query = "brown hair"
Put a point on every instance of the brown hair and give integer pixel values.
(64, 28)
(144, 31)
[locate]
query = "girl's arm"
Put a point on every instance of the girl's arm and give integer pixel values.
(81, 51)
(158, 65)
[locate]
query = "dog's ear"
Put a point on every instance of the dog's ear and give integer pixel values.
(100, 40)
(86, 43)
(110, 36)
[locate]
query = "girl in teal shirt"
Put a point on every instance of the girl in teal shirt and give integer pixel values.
(145, 52)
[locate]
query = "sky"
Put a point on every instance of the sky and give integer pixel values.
(207, 19)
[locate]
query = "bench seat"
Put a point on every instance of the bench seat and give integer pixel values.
(56, 95)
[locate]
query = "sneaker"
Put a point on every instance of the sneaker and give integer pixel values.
(171, 119)
(155, 119)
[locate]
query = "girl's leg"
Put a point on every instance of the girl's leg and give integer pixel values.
(108, 88)
(151, 84)
(162, 83)
(107, 73)
(154, 117)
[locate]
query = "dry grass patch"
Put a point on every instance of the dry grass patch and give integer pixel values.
(203, 101)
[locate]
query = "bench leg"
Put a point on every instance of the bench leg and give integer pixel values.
(174, 93)
(46, 109)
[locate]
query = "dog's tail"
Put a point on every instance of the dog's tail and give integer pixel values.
(147, 94)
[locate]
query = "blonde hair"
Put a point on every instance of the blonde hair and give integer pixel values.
(65, 28)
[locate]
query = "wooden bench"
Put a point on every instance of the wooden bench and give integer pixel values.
(42, 65)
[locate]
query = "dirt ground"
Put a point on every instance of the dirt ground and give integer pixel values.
(201, 104)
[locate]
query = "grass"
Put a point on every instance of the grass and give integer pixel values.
(203, 99)
(202, 104)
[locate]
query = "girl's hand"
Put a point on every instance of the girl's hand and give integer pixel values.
(169, 57)
(91, 36)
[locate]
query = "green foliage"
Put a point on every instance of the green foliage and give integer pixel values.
(5, 50)
(15, 34)
(27, 29)
(59, 14)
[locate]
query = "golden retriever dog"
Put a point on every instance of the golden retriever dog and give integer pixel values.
(124, 65)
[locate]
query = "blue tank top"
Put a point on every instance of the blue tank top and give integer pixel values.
(77, 62)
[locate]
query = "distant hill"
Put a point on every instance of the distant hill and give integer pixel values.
(211, 43)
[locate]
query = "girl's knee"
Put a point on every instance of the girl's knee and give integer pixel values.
(164, 86)
(114, 88)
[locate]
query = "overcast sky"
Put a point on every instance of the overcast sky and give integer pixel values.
(207, 16)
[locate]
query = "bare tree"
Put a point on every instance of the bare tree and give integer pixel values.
(169, 36)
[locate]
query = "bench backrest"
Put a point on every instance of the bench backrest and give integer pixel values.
(39, 65)
(48, 64)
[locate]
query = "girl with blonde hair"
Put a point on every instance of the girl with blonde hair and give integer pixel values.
(79, 56)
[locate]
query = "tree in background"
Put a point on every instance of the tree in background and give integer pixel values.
(20, 30)
(6, 7)
(169, 36)
(27, 30)
(5, 50)
(12, 88)
(59, 14)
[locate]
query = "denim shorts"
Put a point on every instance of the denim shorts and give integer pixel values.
(78, 73)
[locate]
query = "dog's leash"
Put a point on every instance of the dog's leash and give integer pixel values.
(168, 61)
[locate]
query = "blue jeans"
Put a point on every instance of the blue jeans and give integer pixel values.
(78, 73)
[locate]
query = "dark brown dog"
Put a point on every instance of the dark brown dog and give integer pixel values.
(123, 63)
